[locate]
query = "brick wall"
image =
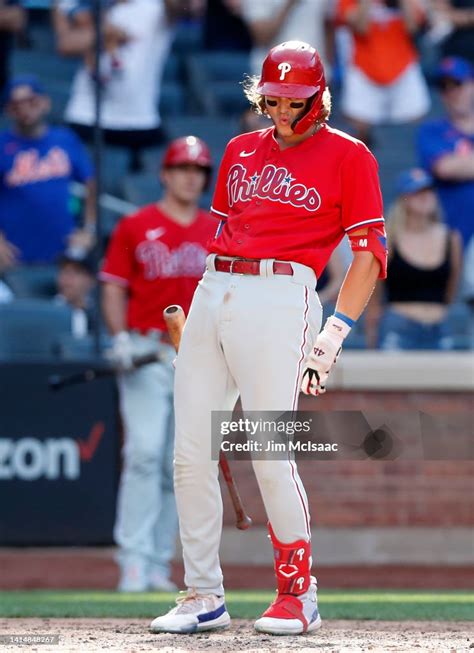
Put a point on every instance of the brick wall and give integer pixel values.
(371, 493)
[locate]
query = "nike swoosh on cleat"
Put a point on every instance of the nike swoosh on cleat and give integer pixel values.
(244, 153)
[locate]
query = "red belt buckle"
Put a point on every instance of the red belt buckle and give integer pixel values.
(231, 266)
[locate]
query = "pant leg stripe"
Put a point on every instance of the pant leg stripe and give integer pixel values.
(302, 348)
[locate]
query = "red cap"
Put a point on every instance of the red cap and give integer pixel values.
(187, 150)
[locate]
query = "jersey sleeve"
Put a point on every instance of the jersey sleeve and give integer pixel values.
(362, 204)
(118, 263)
(82, 168)
(220, 199)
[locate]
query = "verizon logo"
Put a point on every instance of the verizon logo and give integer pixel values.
(29, 459)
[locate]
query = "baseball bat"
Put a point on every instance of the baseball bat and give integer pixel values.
(175, 320)
(57, 382)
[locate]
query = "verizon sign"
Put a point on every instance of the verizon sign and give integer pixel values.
(59, 459)
(29, 459)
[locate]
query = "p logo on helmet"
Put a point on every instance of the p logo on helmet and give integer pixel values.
(285, 67)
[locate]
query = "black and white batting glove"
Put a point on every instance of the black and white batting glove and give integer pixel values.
(323, 356)
(122, 352)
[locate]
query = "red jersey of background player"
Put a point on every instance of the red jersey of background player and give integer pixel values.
(294, 204)
(158, 260)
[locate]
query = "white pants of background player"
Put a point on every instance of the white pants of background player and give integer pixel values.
(404, 100)
(146, 524)
(246, 335)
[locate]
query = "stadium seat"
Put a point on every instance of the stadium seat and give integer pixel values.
(213, 80)
(188, 36)
(223, 66)
(48, 66)
(30, 328)
(36, 281)
(172, 99)
(115, 162)
(152, 158)
(141, 188)
(173, 70)
(71, 348)
(214, 130)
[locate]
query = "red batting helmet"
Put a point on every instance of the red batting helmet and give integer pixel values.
(294, 69)
(187, 150)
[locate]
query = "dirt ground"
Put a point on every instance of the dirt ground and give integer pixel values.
(132, 636)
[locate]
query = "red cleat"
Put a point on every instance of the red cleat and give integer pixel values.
(291, 615)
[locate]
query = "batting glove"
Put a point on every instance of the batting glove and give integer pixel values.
(122, 352)
(323, 356)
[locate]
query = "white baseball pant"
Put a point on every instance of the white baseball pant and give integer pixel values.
(246, 335)
(146, 524)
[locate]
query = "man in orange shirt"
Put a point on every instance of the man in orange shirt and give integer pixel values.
(384, 82)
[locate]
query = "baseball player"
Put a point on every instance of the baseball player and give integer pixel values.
(286, 196)
(155, 258)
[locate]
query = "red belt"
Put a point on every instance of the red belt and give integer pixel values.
(249, 266)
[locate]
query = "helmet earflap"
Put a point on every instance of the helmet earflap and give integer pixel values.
(304, 122)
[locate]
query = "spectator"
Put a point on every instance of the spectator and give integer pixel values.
(76, 281)
(224, 28)
(384, 82)
(273, 21)
(457, 19)
(137, 40)
(446, 145)
(424, 266)
(155, 258)
(37, 164)
(12, 21)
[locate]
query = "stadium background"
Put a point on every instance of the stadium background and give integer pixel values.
(405, 523)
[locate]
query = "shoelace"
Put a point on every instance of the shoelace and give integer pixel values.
(190, 602)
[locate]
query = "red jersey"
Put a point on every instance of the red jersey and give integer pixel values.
(294, 204)
(159, 261)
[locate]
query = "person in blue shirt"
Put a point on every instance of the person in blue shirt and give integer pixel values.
(37, 164)
(446, 146)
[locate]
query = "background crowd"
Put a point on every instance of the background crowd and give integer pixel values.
(401, 76)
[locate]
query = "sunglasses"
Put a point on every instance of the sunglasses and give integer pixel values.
(293, 105)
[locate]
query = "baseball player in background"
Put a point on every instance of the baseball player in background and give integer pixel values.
(286, 196)
(155, 258)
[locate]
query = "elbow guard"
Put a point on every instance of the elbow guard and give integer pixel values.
(375, 241)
